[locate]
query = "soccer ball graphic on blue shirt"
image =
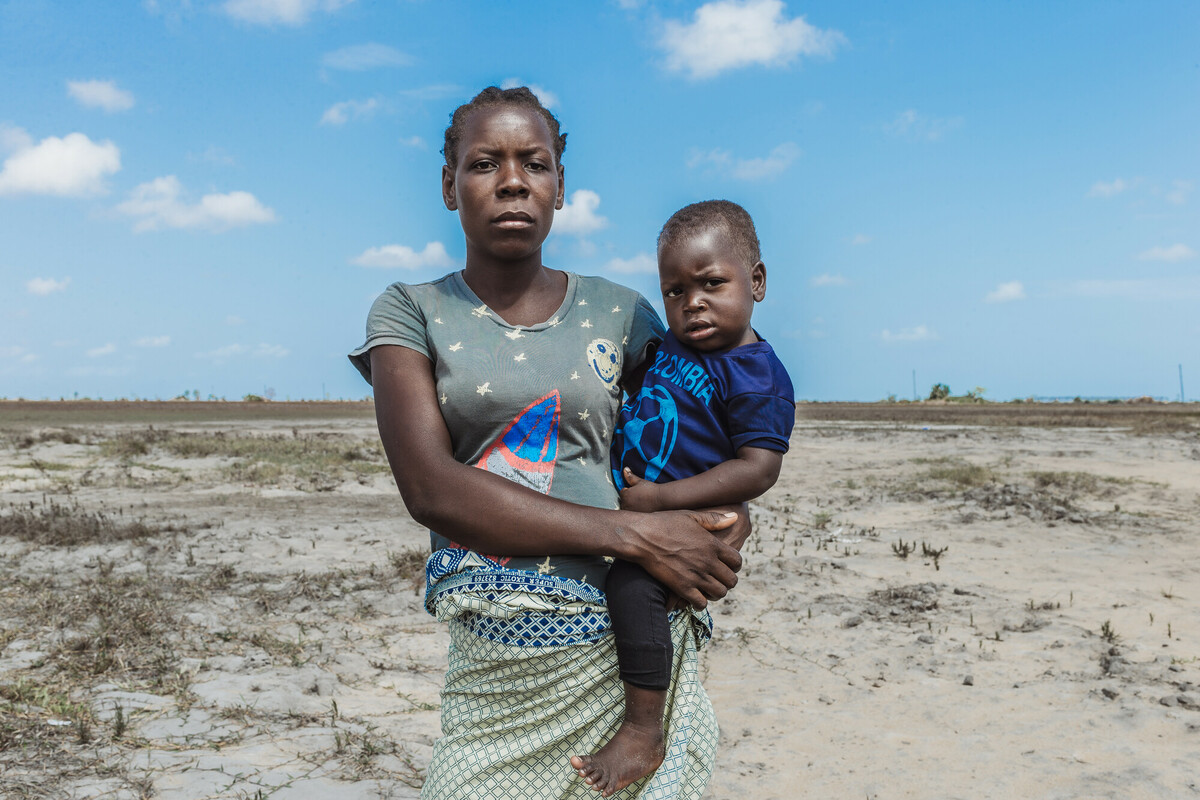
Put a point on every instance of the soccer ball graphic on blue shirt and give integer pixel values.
(652, 430)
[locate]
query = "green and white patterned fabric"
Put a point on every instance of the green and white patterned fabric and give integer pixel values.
(512, 715)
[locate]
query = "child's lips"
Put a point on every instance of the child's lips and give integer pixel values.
(698, 329)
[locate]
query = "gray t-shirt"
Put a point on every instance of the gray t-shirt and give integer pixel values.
(536, 404)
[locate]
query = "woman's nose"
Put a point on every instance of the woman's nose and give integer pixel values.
(512, 180)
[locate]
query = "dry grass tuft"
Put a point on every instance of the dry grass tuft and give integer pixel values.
(68, 525)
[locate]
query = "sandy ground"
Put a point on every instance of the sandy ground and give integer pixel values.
(262, 635)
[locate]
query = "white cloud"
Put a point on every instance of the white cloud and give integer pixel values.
(13, 138)
(234, 320)
(361, 57)
(1173, 253)
(340, 113)
(279, 12)
(640, 264)
(918, 334)
(747, 169)
(397, 255)
(72, 166)
(548, 98)
(917, 127)
(45, 286)
(152, 341)
(100, 94)
(826, 279)
(413, 141)
(1110, 189)
(102, 350)
(860, 239)
(158, 204)
(1006, 292)
(223, 354)
(578, 215)
(729, 34)
(1179, 192)
(214, 155)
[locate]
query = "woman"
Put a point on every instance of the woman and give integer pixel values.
(495, 390)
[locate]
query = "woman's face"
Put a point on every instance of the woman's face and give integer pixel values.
(507, 184)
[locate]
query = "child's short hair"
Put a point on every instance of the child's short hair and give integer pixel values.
(495, 96)
(732, 218)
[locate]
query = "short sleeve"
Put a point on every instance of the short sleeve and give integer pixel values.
(645, 329)
(395, 318)
(764, 413)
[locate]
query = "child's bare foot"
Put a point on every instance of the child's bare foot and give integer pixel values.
(635, 752)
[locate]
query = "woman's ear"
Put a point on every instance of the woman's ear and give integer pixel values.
(450, 197)
(758, 281)
(562, 189)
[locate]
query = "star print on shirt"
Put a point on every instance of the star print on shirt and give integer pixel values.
(454, 348)
(575, 375)
(582, 461)
(519, 358)
(443, 398)
(481, 311)
(616, 309)
(587, 323)
(555, 321)
(484, 389)
(438, 320)
(514, 335)
(545, 567)
(584, 414)
(583, 302)
(624, 341)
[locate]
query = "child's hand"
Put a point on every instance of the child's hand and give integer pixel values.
(640, 494)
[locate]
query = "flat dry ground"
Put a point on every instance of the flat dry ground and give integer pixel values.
(939, 601)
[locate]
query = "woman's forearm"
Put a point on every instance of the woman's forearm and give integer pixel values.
(491, 514)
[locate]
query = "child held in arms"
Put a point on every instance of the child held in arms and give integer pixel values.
(708, 427)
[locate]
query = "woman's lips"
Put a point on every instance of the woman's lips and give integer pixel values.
(513, 220)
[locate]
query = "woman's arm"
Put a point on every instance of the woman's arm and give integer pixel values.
(489, 513)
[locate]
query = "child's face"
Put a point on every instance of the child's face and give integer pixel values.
(709, 291)
(506, 185)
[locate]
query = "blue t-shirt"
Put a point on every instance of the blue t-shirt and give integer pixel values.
(695, 410)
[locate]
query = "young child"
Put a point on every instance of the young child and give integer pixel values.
(709, 427)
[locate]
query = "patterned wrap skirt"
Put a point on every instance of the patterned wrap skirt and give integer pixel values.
(532, 681)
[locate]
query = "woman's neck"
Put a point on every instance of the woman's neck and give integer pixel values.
(521, 293)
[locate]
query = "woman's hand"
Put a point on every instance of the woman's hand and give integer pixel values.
(672, 547)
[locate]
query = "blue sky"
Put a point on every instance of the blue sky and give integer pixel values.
(206, 195)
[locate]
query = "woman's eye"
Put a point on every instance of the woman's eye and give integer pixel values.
(535, 167)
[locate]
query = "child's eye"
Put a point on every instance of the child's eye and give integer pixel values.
(713, 283)
(671, 292)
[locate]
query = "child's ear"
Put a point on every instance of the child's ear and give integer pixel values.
(758, 281)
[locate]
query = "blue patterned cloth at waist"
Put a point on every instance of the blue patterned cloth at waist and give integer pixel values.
(510, 606)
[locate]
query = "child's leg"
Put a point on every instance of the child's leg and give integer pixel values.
(637, 605)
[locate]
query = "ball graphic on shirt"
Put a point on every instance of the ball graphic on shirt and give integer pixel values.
(605, 359)
(652, 430)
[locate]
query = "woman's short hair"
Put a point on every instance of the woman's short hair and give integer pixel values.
(495, 96)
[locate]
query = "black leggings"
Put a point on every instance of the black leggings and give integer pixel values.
(638, 606)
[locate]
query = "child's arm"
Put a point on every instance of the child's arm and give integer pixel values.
(750, 473)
